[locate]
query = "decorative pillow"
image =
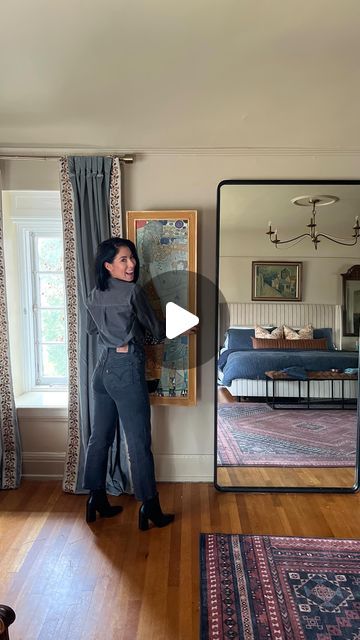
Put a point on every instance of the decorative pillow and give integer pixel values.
(239, 338)
(311, 344)
(325, 332)
(306, 333)
(261, 332)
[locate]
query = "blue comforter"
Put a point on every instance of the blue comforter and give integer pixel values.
(252, 364)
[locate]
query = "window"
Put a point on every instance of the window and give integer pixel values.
(35, 287)
(42, 290)
(48, 308)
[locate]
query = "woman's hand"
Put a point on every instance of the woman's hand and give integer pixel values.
(191, 332)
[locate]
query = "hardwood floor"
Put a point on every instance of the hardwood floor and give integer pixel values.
(224, 395)
(330, 477)
(68, 580)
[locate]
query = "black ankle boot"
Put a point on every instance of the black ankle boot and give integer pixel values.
(98, 502)
(151, 510)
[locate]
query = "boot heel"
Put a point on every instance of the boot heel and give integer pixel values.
(98, 502)
(150, 510)
(143, 521)
(90, 513)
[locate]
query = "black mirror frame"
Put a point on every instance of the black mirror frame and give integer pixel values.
(352, 274)
(262, 489)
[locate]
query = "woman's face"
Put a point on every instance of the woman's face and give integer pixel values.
(123, 265)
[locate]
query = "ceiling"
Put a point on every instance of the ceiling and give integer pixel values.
(251, 207)
(246, 209)
(141, 74)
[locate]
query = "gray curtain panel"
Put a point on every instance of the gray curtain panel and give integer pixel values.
(10, 446)
(91, 208)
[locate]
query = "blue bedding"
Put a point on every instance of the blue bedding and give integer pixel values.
(252, 364)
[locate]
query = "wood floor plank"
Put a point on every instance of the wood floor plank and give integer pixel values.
(71, 581)
(185, 613)
(235, 476)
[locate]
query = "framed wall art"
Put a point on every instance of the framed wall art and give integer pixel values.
(276, 281)
(166, 242)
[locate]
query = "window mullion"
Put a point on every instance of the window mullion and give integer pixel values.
(36, 308)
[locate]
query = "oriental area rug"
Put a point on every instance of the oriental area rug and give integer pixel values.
(254, 434)
(284, 588)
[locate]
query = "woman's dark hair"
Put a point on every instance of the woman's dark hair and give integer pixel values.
(106, 252)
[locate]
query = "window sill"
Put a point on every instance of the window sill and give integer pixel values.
(43, 400)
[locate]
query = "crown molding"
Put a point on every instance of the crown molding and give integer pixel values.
(54, 152)
(252, 151)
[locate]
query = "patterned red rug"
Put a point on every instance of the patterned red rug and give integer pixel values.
(262, 587)
(254, 434)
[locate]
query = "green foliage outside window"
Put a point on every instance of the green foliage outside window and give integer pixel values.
(52, 316)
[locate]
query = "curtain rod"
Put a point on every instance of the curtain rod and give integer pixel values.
(123, 159)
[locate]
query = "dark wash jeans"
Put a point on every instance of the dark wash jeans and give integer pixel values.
(119, 389)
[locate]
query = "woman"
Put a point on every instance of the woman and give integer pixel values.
(120, 313)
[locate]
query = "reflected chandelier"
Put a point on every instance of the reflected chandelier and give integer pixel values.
(315, 201)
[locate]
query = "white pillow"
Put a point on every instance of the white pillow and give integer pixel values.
(305, 333)
(261, 332)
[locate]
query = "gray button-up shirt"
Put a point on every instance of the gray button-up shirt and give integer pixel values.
(122, 313)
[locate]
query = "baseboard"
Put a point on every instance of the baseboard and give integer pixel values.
(184, 467)
(49, 465)
(43, 465)
(42, 477)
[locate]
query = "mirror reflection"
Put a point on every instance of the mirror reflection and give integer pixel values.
(287, 368)
(351, 301)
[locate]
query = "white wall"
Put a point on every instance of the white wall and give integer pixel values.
(322, 282)
(183, 436)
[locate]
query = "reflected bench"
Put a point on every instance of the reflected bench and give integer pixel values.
(308, 402)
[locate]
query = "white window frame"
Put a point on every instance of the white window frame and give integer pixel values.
(26, 230)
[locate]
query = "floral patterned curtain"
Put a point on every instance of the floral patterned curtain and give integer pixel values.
(10, 447)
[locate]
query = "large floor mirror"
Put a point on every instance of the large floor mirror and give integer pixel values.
(287, 390)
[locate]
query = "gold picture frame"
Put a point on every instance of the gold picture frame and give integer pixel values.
(276, 281)
(167, 240)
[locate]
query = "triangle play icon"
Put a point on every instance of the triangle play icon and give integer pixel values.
(178, 320)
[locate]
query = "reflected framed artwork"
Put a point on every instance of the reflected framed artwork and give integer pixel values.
(276, 281)
(166, 242)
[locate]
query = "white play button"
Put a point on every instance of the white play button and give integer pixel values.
(178, 320)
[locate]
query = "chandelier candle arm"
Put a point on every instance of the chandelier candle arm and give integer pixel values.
(345, 243)
(313, 234)
(277, 241)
